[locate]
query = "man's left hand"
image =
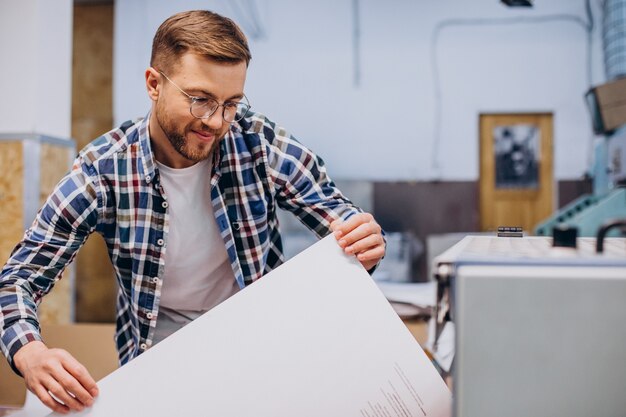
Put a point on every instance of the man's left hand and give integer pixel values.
(360, 235)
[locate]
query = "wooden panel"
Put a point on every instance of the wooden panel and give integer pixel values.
(426, 208)
(12, 388)
(92, 92)
(92, 115)
(11, 196)
(57, 306)
(55, 163)
(503, 202)
(419, 330)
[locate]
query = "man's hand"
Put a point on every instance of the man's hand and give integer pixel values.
(360, 235)
(54, 371)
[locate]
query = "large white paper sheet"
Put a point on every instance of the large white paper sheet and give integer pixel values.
(315, 337)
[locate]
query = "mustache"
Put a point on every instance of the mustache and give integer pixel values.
(205, 129)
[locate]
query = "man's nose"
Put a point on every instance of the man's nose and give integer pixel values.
(215, 121)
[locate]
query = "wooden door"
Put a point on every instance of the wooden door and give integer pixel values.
(516, 170)
(96, 287)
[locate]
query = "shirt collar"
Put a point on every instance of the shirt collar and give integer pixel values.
(148, 160)
(149, 167)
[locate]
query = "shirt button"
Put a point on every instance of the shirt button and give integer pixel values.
(149, 316)
(148, 178)
(164, 204)
(160, 242)
(155, 280)
(143, 346)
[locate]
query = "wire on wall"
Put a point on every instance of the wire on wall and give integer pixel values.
(356, 44)
(587, 26)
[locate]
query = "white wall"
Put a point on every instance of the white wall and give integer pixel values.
(301, 75)
(36, 74)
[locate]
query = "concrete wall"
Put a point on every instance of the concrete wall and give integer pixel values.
(393, 125)
(36, 75)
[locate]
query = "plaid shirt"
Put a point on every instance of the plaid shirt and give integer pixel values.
(114, 189)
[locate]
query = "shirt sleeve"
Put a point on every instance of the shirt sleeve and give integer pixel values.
(60, 228)
(302, 185)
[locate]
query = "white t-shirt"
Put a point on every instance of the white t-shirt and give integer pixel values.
(198, 275)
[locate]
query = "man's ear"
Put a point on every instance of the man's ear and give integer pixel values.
(153, 84)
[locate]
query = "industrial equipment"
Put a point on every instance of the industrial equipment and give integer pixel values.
(607, 106)
(539, 328)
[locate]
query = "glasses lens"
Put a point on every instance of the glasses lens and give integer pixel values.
(203, 107)
(235, 112)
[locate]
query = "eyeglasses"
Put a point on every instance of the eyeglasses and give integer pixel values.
(205, 107)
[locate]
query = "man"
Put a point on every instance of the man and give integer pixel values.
(185, 200)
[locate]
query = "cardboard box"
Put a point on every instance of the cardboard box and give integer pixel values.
(607, 104)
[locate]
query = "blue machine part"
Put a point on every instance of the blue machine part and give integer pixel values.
(588, 213)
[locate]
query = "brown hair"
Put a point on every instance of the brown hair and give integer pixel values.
(202, 32)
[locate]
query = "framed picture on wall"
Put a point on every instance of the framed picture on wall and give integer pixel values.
(516, 169)
(517, 155)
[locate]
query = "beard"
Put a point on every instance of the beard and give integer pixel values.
(177, 136)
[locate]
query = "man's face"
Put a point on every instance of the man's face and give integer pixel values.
(180, 138)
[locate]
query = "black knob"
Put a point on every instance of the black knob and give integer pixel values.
(564, 236)
(611, 224)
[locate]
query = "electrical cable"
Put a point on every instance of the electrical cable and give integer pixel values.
(356, 44)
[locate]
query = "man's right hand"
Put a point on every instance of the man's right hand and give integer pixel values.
(55, 371)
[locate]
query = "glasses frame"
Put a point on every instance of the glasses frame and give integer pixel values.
(195, 99)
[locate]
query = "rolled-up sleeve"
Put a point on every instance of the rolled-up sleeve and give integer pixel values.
(60, 228)
(303, 186)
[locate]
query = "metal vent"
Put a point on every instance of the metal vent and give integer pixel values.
(614, 39)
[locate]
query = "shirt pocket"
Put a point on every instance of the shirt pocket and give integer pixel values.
(249, 219)
(251, 236)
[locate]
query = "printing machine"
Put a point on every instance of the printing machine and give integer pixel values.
(540, 324)
(608, 200)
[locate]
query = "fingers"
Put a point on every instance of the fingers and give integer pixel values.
(360, 235)
(363, 244)
(79, 397)
(75, 379)
(355, 229)
(372, 254)
(59, 380)
(344, 227)
(61, 394)
(45, 397)
(82, 385)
